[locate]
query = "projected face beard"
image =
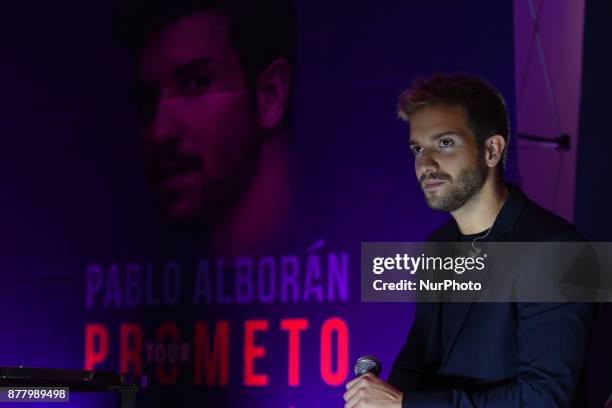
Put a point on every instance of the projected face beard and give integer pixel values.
(455, 193)
(198, 119)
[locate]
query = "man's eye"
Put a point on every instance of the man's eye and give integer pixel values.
(195, 85)
(417, 149)
(446, 142)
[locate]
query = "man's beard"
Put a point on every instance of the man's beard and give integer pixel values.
(459, 191)
(213, 199)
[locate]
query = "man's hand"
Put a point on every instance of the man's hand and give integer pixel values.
(369, 391)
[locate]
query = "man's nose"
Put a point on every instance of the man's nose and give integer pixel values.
(164, 126)
(426, 163)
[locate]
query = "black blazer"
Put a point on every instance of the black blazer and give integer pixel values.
(499, 354)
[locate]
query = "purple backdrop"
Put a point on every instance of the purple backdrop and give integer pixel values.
(75, 194)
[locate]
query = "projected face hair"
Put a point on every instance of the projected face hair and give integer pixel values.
(449, 164)
(198, 117)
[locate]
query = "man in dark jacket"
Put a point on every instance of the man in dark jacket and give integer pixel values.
(479, 354)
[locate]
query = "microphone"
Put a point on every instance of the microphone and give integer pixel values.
(367, 364)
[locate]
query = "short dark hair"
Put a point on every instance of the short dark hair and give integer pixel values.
(484, 106)
(260, 30)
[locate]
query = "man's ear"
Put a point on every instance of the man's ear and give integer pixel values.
(494, 150)
(272, 93)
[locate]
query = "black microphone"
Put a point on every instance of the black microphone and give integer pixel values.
(367, 364)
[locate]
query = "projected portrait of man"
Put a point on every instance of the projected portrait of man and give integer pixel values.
(213, 84)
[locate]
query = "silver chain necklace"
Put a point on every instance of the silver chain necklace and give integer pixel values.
(476, 250)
